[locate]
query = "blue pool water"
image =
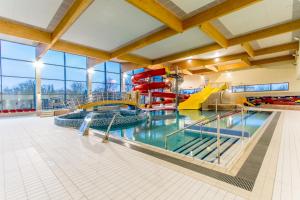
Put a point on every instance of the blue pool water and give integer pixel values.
(190, 142)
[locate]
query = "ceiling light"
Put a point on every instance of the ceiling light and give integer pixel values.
(189, 60)
(217, 59)
(38, 64)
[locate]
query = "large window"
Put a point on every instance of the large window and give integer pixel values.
(76, 76)
(106, 77)
(63, 77)
(261, 87)
(17, 76)
(53, 80)
(17, 51)
(127, 78)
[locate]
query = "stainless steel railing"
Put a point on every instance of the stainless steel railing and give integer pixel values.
(106, 136)
(182, 129)
(202, 122)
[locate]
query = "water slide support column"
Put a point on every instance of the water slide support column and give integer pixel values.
(149, 94)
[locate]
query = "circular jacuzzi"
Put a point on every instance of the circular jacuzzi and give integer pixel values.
(101, 119)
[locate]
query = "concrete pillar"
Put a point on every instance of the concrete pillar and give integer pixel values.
(90, 73)
(38, 91)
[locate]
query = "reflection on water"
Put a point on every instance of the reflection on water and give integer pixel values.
(161, 123)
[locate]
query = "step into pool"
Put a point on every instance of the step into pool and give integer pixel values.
(199, 145)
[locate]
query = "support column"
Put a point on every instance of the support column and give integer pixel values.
(91, 62)
(38, 95)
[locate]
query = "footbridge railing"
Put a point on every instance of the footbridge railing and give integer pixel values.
(104, 98)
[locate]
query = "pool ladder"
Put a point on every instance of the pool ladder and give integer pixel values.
(106, 136)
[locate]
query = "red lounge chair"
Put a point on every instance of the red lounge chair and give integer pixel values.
(26, 110)
(5, 111)
(12, 111)
(19, 110)
(32, 110)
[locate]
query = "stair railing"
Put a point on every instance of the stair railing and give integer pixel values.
(201, 122)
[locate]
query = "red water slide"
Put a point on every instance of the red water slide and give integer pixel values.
(144, 86)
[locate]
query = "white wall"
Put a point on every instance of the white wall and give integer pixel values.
(192, 82)
(272, 73)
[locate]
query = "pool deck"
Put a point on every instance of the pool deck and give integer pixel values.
(39, 160)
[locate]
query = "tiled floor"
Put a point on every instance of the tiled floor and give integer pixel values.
(41, 161)
(287, 180)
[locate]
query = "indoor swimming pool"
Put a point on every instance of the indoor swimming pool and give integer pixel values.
(161, 130)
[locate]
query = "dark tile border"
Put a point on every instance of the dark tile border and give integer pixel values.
(245, 177)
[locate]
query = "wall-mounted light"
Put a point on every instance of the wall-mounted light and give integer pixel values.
(297, 38)
(38, 64)
(189, 60)
(228, 75)
(91, 70)
(125, 75)
(217, 59)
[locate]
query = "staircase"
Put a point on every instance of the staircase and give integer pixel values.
(205, 147)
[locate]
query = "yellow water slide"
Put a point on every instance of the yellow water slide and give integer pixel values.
(243, 101)
(195, 101)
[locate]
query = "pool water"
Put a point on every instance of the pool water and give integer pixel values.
(191, 142)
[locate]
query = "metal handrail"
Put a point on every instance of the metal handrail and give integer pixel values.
(106, 136)
(202, 122)
(184, 128)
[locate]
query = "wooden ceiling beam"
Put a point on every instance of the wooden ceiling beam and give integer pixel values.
(191, 63)
(267, 32)
(235, 66)
(245, 65)
(246, 61)
(272, 60)
(219, 10)
(201, 71)
(135, 59)
(78, 49)
(225, 59)
(264, 33)
(78, 7)
(248, 48)
(157, 11)
(212, 68)
(30, 33)
(188, 53)
(277, 48)
(152, 38)
(24, 31)
(214, 34)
